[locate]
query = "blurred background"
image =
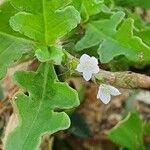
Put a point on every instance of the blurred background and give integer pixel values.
(92, 121)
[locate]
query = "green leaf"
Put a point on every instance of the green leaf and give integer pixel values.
(139, 23)
(3, 71)
(54, 54)
(128, 133)
(47, 22)
(1, 93)
(13, 45)
(113, 42)
(144, 35)
(134, 3)
(88, 8)
(37, 112)
(146, 128)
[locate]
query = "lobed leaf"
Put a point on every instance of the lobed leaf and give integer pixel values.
(46, 23)
(114, 40)
(88, 8)
(37, 112)
(53, 54)
(144, 35)
(12, 45)
(128, 133)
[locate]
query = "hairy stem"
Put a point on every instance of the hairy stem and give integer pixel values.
(125, 79)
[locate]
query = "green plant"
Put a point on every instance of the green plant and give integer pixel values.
(129, 132)
(54, 32)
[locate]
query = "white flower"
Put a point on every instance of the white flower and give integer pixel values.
(105, 92)
(88, 65)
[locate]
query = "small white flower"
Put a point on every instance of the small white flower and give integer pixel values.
(105, 92)
(88, 65)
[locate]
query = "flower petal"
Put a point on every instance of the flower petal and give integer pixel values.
(94, 60)
(113, 91)
(103, 95)
(95, 69)
(79, 68)
(87, 75)
(84, 58)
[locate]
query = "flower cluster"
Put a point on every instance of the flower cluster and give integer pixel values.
(89, 66)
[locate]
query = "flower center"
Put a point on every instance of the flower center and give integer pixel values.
(88, 65)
